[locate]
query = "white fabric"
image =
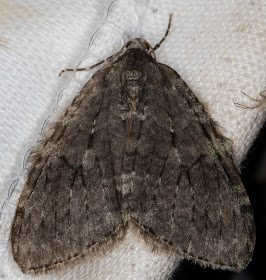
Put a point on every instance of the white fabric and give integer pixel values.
(218, 47)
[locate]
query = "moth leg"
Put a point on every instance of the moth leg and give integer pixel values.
(260, 102)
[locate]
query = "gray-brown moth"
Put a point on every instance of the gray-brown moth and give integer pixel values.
(135, 148)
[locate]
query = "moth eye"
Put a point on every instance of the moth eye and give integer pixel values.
(148, 47)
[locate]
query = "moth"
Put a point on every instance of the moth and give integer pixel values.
(135, 148)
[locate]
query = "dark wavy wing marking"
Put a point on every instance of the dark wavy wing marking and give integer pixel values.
(185, 190)
(70, 202)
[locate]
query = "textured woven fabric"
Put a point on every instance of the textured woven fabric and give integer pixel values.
(218, 48)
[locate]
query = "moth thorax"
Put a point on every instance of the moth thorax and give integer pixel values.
(133, 84)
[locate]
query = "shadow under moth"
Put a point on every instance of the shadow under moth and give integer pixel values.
(135, 148)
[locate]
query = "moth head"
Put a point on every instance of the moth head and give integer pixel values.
(138, 43)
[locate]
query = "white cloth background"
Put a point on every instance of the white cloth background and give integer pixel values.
(218, 47)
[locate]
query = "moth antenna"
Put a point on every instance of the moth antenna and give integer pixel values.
(114, 55)
(91, 67)
(157, 46)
